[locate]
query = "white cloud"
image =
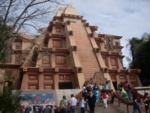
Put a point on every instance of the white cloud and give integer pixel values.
(127, 18)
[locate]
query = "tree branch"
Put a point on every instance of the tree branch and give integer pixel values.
(26, 8)
(7, 12)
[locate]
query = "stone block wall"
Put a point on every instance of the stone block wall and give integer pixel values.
(67, 93)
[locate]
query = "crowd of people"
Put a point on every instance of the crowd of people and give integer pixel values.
(93, 94)
(40, 109)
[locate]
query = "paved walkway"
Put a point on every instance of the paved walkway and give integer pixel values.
(113, 108)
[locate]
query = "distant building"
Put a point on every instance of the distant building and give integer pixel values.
(68, 53)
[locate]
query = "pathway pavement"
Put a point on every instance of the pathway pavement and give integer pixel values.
(113, 108)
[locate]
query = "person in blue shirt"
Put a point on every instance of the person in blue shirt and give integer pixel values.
(97, 95)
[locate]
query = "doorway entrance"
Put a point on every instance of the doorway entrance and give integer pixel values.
(65, 85)
(115, 85)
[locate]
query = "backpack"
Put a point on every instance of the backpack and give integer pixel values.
(62, 104)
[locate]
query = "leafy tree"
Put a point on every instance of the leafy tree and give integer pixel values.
(9, 101)
(133, 45)
(142, 58)
(4, 37)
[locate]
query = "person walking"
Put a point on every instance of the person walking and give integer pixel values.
(127, 88)
(85, 96)
(47, 109)
(73, 103)
(91, 101)
(28, 109)
(124, 94)
(82, 104)
(105, 98)
(146, 102)
(63, 105)
(97, 95)
(136, 102)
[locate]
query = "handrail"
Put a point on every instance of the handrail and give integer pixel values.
(128, 103)
(143, 88)
(123, 100)
(78, 95)
(140, 89)
(120, 98)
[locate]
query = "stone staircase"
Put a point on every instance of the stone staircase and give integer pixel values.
(113, 108)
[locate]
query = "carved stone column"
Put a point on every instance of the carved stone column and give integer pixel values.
(56, 81)
(24, 85)
(41, 80)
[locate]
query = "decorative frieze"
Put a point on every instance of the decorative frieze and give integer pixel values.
(60, 60)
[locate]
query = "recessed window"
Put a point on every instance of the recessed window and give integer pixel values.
(117, 43)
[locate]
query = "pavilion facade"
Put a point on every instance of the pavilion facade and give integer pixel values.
(66, 54)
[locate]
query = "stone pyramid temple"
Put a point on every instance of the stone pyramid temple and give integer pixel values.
(67, 53)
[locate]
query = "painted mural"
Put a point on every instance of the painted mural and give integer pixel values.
(37, 99)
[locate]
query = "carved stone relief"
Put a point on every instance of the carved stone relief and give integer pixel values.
(57, 43)
(132, 77)
(113, 63)
(48, 77)
(17, 58)
(99, 78)
(65, 77)
(133, 83)
(58, 30)
(18, 46)
(109, 43)
(32, 77)
(68, 77)
(46, 59)
(32, 87)
(60, 60)
(113, 77)
(61, 77)
(48, 86)
(123, 78)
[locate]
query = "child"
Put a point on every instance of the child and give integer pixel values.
(105, 98)
(82, 105)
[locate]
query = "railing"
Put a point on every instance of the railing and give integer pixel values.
(121, 99)
(129, 103)
(145, 89)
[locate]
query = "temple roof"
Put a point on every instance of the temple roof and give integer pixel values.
(68, 10)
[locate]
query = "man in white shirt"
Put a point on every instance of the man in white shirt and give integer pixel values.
(73, 103)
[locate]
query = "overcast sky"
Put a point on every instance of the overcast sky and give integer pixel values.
(126, 18)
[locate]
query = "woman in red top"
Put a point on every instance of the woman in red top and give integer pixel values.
(104, 98)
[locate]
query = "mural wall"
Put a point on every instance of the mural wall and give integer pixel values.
(37, 100)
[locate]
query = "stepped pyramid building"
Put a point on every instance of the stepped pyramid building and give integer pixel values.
(68, 53)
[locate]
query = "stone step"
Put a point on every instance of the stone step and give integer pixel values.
(113, 108)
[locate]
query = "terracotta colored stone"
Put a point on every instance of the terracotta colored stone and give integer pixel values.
(68, 53)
